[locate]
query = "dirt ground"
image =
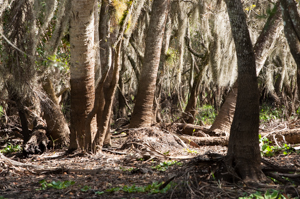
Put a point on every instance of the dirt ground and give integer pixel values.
(134, 162)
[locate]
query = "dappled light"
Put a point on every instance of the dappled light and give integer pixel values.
(149, 99)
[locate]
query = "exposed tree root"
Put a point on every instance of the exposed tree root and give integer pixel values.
(212, 168)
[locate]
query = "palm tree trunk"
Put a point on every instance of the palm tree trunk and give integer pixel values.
(82, 68)
(243, 154)
(142, 113)
(262, 47)
(291, 20)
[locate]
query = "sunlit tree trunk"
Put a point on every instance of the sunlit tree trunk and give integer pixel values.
(82, 68)
(142, 113)
(243, 154)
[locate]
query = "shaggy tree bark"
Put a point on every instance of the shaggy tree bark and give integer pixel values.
(243, 154)
(82, 68)
(262, 47)
(56, 124)
(107, 85)
(291, 23)
(142, 113)
(190, 110)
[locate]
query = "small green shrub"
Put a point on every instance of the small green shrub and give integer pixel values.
(268, 113)
(206, 114)
(55, 185)
(126, 169)
(11, 148)
(85, 188)
(269, 194)
(163, 166)
(269, 151)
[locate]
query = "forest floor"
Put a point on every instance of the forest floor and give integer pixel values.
(135, 166)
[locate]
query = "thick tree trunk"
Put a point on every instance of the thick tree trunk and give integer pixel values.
(243, 148)
(262, 47)
(82, 69)
(142, 113)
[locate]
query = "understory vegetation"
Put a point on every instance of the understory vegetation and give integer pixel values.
(150, 99)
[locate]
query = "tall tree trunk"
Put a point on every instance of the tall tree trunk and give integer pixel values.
(190, 109)
(262, 47)
(142, 113)
(82, 68)
(103, 126)
(291, 20)
(121, 99)
(243, 148)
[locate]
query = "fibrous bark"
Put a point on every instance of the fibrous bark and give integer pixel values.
(262, 47)
(291, 20)
(243, 154)
(82, 69)
(142, 114)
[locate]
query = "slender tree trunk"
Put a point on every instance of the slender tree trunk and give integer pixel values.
(142, 113)
(190, 109)
(262, 46)
(243, 148)
(82, 69)
(121, 99)
(103, 127)
(56, 124)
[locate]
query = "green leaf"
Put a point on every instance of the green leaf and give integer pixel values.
(99, 192)
(85, 188)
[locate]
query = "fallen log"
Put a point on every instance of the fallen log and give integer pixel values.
(190, 129)
(208, 141)
(289, 136)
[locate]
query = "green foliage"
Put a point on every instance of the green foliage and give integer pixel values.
(2, 197)
(268, 113)
(114, 189)
(55, 185)
(269, 151)
(163, 166)
(206, 114)
(60, 62)
(99, 192)
(269, 194)
(190, 151)
(11, 148)
(1, 111)
(171, 55)
(85, 188)
(151, 188)
(128, 169)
